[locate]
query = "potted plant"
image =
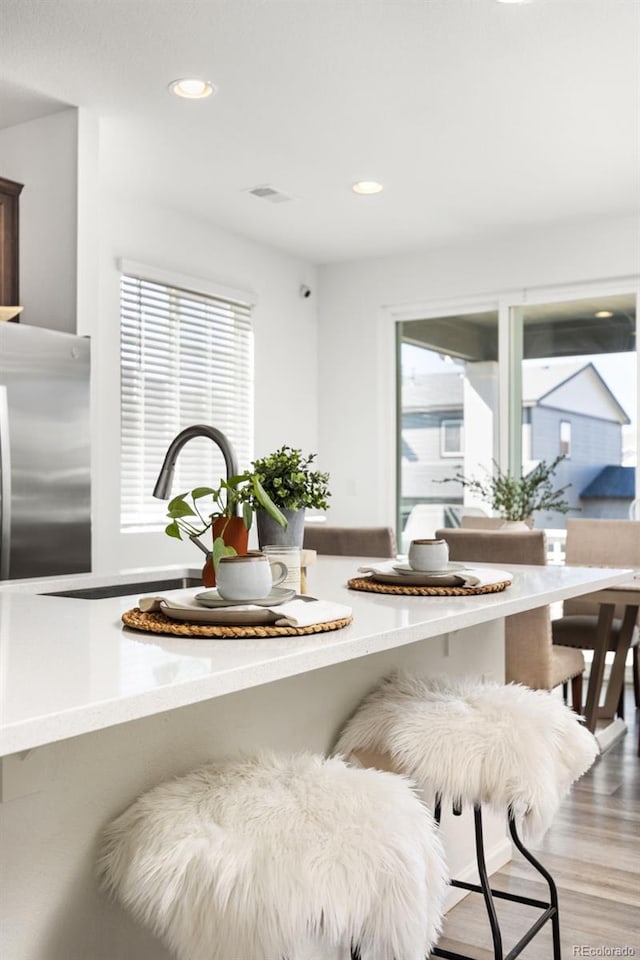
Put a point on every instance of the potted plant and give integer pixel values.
(518, 498)
(288, 478)
(192, 513)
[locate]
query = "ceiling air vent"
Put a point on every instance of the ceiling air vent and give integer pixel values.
(269, 193)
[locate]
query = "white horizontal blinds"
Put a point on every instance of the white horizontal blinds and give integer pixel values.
(186, 358)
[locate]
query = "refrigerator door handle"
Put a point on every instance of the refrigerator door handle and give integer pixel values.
(5, 486)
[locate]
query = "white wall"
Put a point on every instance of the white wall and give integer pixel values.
(42, 154)
(285, 351)
(356, 347)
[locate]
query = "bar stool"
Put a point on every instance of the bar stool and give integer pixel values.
(277, 856)
(465, 743)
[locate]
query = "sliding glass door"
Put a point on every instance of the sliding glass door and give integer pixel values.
(515, 385)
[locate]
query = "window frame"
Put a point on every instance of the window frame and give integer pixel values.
(447, 422)
(565, 453)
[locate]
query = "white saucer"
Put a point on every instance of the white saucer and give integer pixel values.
(417, 579)
(450, 568)
(213, 600)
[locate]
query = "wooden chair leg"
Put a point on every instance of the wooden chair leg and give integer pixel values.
(636, 675)
(576, 693)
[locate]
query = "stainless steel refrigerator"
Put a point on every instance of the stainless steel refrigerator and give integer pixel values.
(45, 478)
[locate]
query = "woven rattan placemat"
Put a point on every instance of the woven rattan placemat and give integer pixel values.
(372, 586)
(158, 623)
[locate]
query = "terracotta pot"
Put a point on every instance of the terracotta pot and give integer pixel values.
(235, 534)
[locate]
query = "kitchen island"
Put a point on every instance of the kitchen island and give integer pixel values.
(93, 714)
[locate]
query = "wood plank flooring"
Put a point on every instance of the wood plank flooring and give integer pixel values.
(593, 852)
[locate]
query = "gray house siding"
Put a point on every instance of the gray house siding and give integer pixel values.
(594, 444)
(605, 508)
(422, 462)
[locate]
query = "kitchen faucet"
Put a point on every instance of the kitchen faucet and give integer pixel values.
(165, 477)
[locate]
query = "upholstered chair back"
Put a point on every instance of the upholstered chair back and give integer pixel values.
(600, 543)
(530, 657)
(350, 541)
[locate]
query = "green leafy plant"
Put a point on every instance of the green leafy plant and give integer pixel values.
(289, 480)
(192, 513)
(518, 498)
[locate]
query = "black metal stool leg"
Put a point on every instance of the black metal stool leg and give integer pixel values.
(483, 887)
(553, 890)
(484, 883)
(549, 910)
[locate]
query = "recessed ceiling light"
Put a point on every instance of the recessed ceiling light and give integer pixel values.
(604, 313)
(192, 89)
(367, 187)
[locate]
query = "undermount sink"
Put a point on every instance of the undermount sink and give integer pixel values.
(124, 589)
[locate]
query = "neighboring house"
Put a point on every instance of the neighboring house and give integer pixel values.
(567, 409)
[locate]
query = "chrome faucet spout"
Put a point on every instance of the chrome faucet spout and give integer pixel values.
(162, 488)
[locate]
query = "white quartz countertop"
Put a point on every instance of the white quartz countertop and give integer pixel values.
(68, 666)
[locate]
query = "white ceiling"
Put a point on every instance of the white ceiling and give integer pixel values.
(479, 117)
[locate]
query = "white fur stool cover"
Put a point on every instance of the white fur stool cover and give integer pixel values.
(274, 857)
(495, 744)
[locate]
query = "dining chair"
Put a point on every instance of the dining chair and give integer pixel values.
(602, 543)
(350, 541)
(530, 655)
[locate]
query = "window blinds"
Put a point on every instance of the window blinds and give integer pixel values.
(185, 358)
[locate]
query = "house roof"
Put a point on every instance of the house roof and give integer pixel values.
(563, 386)
(433, 391)
(537, 381)
(613, 482)
(574, 387)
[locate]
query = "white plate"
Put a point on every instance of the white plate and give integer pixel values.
(212, 599)
(406, 570)
(225, 617)
(416, 579)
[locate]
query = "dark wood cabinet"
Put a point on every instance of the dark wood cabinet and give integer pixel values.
(9, 232)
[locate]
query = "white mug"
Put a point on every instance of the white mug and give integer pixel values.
(248, 577)
(428, 555)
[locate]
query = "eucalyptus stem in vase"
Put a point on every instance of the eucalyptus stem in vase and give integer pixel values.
(518, 498)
